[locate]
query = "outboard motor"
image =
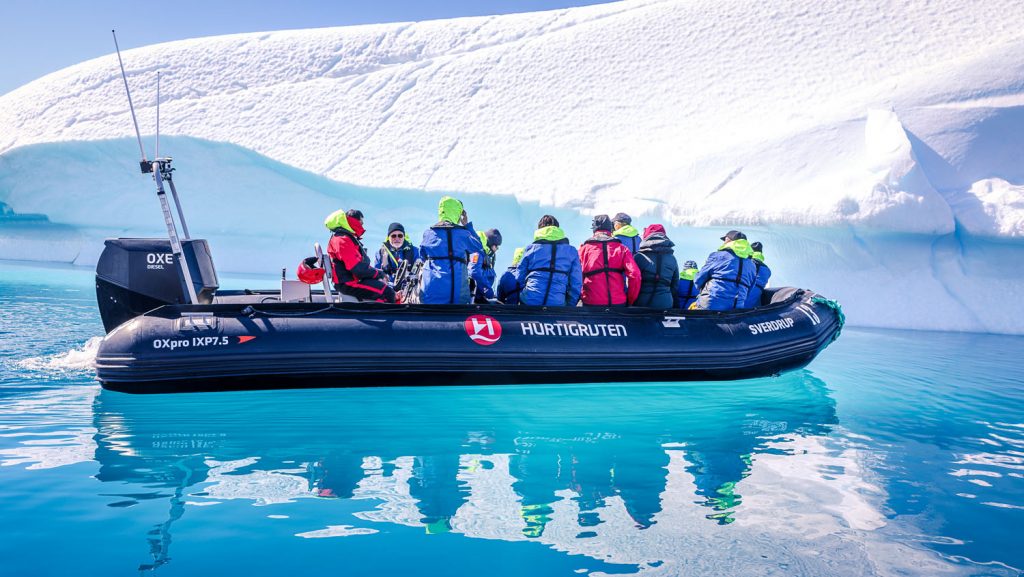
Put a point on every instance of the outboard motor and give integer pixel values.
(136, 275)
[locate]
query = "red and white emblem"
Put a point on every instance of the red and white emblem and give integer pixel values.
(483, 330)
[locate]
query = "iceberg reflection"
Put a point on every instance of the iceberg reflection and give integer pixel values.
(660, 479)
(628, 476)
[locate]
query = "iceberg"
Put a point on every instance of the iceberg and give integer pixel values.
(877, 153)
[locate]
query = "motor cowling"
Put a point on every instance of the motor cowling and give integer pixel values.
(136, 275)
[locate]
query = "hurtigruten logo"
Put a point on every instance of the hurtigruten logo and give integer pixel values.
(483, 330)
(560, 329)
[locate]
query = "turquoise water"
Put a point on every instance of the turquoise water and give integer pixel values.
(895, 453)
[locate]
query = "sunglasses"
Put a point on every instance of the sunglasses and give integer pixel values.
(397, 235)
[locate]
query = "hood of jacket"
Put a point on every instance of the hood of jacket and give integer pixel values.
(449, 209)
(757, 255)
(517, 256)
(600, 236)
(549, 233)
(339, 220)
(688, 274)
(653, 228)
(657, 242)
(739, 247)
(483, 241)
(627, 230)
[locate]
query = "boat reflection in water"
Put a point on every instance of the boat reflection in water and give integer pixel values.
(633, 476)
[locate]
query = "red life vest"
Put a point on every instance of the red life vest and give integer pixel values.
(607, 267)
(351, 265)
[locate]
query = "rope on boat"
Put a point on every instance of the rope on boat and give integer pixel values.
(834, 305)
(251, 312)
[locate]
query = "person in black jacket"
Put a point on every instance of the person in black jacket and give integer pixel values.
(659, 270)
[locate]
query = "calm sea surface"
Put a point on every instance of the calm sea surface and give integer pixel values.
(894, 453)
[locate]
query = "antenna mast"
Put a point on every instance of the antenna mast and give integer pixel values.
(131, 106)
(157, 153)
(161, 170)
(170, 181)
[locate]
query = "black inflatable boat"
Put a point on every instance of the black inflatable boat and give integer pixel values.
(160, 342)
(170, 329)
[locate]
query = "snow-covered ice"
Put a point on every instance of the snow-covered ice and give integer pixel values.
(876, 148)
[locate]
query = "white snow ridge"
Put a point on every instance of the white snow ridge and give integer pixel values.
(877, 149)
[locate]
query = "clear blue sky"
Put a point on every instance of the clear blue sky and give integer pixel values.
(38, 37)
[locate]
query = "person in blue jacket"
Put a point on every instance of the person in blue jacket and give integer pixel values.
(550, 272)
(686, 290)
(726, 277)
(481, 265)
(508, 289)
(761, 279)
(445, 250)
(625, 233)
(395, 249)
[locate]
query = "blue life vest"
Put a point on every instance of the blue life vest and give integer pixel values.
(481, 270)
(686, 289)
(508, 288)
(726, 277)
(760, 282)
(550, 271)
(445, 250)
(389, 258)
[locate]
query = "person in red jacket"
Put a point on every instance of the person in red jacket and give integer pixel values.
(353, 274)
(610, 275)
